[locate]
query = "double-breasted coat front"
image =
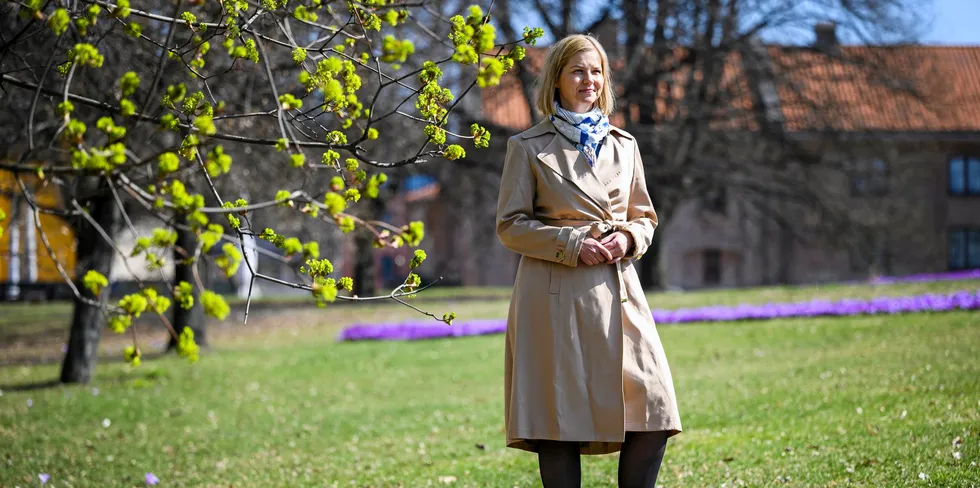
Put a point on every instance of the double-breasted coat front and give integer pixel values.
(583, 360)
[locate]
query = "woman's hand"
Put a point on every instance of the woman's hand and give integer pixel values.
(617, 244)
(593, 252)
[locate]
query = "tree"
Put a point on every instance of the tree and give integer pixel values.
(120, 106)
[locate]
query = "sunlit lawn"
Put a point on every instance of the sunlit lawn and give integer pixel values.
(864, 401)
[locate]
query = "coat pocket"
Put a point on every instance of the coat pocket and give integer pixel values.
(554, 286)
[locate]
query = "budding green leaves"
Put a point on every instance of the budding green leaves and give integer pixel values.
(94, 282)
(214, 305)
(186, 347)
(417, 259)
(184, 295)
(471, 36)
(531, 36)
(481, 136)
(299, 55)
(168, 163)
(230, 260)
(288, 102)
(454, 152)
(58, 21)
(395, 50)
(217, 163)
(86, 55)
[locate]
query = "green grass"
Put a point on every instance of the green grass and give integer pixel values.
(865, 401)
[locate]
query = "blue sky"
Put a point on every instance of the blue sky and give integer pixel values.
(945, 22)
(954, 22)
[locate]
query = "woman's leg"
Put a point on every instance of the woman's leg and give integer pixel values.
(560, 464)
(639, 461)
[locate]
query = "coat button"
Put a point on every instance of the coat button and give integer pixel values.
(560, 256)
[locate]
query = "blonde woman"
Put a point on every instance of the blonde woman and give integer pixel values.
(585, 370)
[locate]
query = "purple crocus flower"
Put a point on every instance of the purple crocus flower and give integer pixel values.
(969, 274)
(151, 479)
(430, 329)
(44, 477)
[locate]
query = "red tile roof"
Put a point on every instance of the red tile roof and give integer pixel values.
(890, 89)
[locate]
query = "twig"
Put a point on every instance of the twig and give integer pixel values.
(163, 57)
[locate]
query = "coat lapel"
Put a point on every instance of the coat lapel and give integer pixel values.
(610, 164)
(563, 158)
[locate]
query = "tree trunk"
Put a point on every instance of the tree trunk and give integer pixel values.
(364, 275)
(365, 272)
(193, 318)
(649, 268)
(93, 253)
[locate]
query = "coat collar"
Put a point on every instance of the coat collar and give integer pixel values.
(546, 127)
(565, 159)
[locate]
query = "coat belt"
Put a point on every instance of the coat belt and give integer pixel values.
(597, 229)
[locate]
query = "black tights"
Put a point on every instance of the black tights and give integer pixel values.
(639, 461)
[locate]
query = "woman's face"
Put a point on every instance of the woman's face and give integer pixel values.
(580, 81)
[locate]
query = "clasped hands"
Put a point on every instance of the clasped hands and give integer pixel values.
(611, 249)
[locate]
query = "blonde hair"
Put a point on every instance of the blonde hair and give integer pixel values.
(555, 61)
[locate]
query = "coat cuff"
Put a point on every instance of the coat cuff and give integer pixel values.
(635, 251)
(569, 245)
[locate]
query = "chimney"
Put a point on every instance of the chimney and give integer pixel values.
(826, 36)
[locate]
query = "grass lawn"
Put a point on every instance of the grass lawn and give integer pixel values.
(862, 401)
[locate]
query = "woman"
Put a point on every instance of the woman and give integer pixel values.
(585, 370)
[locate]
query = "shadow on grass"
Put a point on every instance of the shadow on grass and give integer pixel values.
(37, 385)
(121, 377)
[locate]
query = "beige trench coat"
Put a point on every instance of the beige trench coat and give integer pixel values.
(583, 359)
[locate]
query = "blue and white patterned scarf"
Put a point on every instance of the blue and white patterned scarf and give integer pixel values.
(587, 130)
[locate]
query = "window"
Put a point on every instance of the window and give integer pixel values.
(964, 249)
(964, 175)
(712, 267)
(870, 179)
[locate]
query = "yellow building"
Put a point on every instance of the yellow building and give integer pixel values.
(24, 260)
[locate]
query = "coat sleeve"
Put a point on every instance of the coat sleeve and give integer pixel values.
(641, 216)
(517, 228)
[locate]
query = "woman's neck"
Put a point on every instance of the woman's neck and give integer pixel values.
(578, 109)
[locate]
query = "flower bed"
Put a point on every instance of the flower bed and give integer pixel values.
(430, 329)
(427, 329)
(970, 274)
(961, 300)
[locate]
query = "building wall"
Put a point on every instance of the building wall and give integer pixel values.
(912, 221)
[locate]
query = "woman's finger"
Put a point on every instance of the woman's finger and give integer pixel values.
(605, 253)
